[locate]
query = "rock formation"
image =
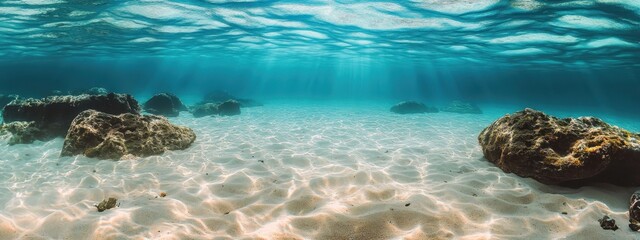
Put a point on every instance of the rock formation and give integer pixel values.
(222, 96)
(409, 107)
(57, 112)
(227, 108)
(462, 107)
(532, 144)
(106, 136)
(165, 104)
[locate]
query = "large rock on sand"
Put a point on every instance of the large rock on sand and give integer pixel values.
(227, 108)
(57, 112)
(462, 107)
(165, 104)
(532, 144)
(105, 136)
(409, 107)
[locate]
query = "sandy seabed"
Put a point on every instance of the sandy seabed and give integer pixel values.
(288, 171)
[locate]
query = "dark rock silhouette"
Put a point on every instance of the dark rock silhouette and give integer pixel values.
(608, 223)
(57, 112)
(106, 136)
(410, 107)
(222, 96)
(462, 107)
(165, 104)
(532, 144)
(226, 108)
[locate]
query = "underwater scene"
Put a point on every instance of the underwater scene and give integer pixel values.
(320, 119)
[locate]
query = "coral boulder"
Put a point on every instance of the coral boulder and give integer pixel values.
(105, 136)
(532, 144)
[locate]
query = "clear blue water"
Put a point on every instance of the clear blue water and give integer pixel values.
(546, 54)
(327, 72)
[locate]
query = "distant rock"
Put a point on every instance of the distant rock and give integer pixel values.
(226, 108)
(165, 104)
(462, 107)
(229, 108)
(27, 132)
(409, 107)
(6, 99)
(57, 112)
(106, 136)
(222, 96)
(532, 144)
(634, 211)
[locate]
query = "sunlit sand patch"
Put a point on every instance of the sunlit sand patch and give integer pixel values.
(302, 172)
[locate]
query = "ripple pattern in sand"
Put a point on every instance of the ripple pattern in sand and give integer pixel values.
(302, 172)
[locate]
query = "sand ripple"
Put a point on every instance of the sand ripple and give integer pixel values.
(306, 172)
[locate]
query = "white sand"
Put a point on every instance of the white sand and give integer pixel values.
(300, 171)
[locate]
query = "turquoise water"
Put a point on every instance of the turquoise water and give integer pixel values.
(571, 54)
(323, 158)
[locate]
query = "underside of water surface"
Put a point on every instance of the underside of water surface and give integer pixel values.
(316, 151)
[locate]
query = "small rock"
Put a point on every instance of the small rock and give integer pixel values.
(163, 194)
(408, 204)
(608, 223)
(107, 204)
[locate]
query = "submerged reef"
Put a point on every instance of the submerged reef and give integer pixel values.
(56, 113)
(226, 108)
(409, 107)
(106, 136)
(222, 96)
(462, 107)
(532, 144)
(166, 104)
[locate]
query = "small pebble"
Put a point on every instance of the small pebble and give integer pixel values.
(608, 223)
